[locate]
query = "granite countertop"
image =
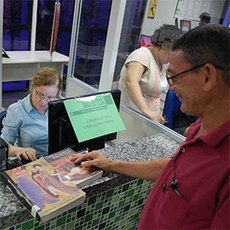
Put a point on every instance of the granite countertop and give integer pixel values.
(12, 211)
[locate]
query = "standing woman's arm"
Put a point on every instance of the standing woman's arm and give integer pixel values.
(135, 70)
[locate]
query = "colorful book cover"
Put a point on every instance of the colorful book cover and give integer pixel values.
(67, 171)
(38, 186)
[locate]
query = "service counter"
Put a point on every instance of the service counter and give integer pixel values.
(113, 202)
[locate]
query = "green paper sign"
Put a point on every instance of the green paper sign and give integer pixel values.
(93, 116)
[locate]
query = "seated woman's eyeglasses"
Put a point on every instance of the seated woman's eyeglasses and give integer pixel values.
(40, 96)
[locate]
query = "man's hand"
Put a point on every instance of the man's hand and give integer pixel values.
(94, 158)
(147, 170)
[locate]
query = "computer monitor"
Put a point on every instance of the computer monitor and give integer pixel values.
(185, 25)
(60, 131)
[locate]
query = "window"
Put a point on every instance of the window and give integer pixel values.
(44, 25)
(17, 19)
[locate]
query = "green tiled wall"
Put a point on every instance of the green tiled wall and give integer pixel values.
(117, 208)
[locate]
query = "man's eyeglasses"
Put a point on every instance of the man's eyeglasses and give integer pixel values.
(40, 96)
(171, 79)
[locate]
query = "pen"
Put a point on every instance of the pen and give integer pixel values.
(173, 185)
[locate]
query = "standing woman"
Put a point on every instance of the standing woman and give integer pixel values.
(142, 78)
(25, 127)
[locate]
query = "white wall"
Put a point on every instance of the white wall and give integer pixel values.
(75, 87)
(164, 15)
(216, 8)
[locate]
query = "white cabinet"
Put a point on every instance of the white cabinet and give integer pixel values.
(23, 65)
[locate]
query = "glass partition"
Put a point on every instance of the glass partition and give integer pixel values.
(131, 28)
(95, 44)
(44, 25)
(93, 28)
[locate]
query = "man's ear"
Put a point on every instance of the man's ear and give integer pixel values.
(209, 76)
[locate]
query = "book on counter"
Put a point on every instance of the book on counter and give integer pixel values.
(69, 172)
(50, 186)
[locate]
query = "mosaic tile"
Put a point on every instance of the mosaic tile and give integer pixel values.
(105, 210)
(125, 187)
(102, 225)
(95, 222)
(139, 182)
(121, 203)
(42, 227)
(47, 224)
(110, 193)
(72, 210)
(130, 192)
(135, 197)
(19, 226)
(126, 208)
(27, 225)
(112, 214)
(81, 213)
(117, 208)
(92, 200)
(107, 228)
(78, 228)
(36, 224)
(89, 217)
(61, 221)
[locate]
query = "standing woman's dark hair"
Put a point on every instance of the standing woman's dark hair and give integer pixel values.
(166, 34)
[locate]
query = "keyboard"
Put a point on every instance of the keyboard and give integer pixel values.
(14, 162)
(57, 155)
(62, 153)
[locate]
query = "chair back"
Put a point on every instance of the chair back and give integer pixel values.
(171, 107)
(177, 120)
(2, 115)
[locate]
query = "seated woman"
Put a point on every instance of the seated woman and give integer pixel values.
(25, 127)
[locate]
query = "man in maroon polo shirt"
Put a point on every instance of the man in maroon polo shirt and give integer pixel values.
(192, 188)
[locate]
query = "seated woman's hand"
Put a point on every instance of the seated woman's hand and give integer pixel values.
(19, 152)
(92, 159)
